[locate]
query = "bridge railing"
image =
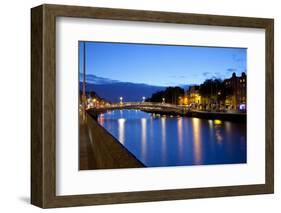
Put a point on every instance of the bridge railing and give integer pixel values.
(140, 104)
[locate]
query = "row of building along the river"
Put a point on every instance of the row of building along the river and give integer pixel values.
(228, 95)
(214, 94)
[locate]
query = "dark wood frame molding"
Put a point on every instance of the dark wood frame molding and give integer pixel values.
(43, 105)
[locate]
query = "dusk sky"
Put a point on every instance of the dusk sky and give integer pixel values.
(161, 65)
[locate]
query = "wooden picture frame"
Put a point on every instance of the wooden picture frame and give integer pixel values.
(43, 105)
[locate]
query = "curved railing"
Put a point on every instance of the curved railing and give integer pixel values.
(142, 104)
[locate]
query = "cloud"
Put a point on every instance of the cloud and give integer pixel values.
(97, 80)
(219, 75)
(206, 74)
(238, 57)
(214, 75)
(177, 76)
(231, 70)
(169, 83)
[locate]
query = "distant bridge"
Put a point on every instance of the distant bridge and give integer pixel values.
(147, 106)
(169, 109)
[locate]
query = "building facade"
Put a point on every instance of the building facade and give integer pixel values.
(236, 92)
(231, 96)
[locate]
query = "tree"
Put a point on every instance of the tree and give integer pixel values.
(214, 90)
(171, 95)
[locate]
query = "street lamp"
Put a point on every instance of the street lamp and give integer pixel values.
(163, 100)
(121, 100)
(84, 98)
(143, 99)
(94, 102)
(180, 100)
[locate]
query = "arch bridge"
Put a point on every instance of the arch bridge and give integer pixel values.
(147, 106)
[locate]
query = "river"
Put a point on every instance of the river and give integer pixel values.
(176, 141)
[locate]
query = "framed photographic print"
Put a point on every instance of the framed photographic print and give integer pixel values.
(136, 106)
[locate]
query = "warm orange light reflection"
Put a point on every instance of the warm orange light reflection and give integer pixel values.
(180, 133)
(217, 122)
(197, 140)
(218, 134)
(180, 136)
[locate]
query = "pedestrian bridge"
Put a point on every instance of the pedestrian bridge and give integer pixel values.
(143, 105)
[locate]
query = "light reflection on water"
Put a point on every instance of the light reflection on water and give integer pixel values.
(121, 130)
(197, 140)
(143, 137)
(180, 137)
(177, 141)
(163, 138)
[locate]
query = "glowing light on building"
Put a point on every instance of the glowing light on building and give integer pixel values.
(242, 106)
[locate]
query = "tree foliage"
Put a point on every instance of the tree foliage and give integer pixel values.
(215, 89)
(171, 95)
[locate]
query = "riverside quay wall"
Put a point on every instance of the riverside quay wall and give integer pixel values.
(100, 150)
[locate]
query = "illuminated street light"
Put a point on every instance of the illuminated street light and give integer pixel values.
(94, 103)
(121, 100)
(180, 100)
(163, 100)
(143, 99)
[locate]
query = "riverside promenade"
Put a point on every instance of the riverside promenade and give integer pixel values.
(100, 150)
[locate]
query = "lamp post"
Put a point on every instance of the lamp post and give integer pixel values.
(163, 100)
(143, 99)
(180, 100)
(84, 98)
(121, 100)
(219, 99)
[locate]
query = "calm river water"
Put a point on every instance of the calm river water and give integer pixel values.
(176, 141)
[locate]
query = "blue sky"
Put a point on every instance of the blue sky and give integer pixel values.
(160, 65)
